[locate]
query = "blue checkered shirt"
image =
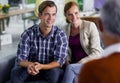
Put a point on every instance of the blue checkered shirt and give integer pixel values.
(34, 47)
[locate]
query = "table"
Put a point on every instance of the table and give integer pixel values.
(16, 12)
(12, 12)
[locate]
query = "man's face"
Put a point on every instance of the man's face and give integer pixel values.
(48, 16)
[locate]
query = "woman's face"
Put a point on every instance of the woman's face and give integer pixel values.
(73, 15)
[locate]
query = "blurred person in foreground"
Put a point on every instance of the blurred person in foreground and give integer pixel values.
(42, 49)
(84, 41)
(107, 68)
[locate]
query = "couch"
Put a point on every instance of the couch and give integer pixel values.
(6, 64)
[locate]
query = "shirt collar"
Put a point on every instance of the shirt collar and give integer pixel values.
(111, 49)
(51, 34)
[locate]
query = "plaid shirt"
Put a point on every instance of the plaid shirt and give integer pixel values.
(34, 47)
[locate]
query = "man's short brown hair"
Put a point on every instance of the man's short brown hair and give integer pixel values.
(45, 4)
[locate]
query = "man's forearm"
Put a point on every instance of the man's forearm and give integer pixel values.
(51, 65)
(25, 63)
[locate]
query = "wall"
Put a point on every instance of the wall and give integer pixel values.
(4, 1)
(88, 5)
(60, 15)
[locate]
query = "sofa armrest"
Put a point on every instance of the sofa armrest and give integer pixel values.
(6, 64)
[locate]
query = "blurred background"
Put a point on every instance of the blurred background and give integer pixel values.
(18, 15)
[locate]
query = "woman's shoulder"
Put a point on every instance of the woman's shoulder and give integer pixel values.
(65, 25)
(87, 23)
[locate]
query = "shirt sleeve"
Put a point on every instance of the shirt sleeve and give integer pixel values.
(23, 48)
(61, 50)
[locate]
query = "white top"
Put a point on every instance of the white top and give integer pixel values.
(111, 49)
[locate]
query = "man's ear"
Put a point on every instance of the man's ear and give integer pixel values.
(39, 15)
(65, 14)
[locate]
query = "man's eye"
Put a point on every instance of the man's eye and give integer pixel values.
(69, 14)
(54, 14)
(46, 14)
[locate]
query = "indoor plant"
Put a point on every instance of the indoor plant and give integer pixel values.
(4, 8)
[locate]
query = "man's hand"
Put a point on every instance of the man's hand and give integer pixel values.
(33, 68)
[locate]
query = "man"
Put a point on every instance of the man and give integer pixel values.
(98, 4)
(106, 69)
(42, 49)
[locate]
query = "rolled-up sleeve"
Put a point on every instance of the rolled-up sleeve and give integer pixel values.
(23, 48)
(61, 50)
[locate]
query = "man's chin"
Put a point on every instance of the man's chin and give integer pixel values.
(49, 25)
(74, 23)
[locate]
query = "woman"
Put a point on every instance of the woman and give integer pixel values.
(84, 41)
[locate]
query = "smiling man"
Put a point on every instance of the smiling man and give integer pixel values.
(42, 49)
